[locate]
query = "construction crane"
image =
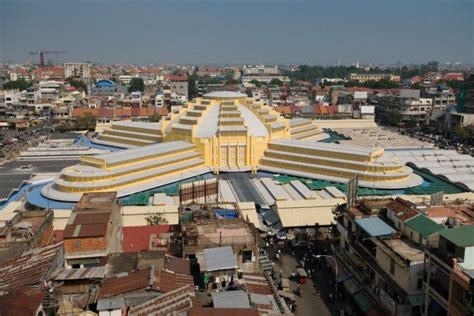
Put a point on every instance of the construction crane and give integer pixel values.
(43, 52)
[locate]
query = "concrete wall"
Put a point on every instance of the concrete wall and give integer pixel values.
(468, 258)
(401, 275)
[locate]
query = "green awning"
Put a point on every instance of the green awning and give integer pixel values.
(363, 301)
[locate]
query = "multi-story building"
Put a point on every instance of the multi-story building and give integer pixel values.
(408, 104)
(449, 279)
(18, 74)
(179, 84)
(388, 266)
(261, 73)
(363, 77)
(93, 231)
(50, 90)
(469, 94)
(441, 96)
(125, 79)
(77, 70)
(212, 72)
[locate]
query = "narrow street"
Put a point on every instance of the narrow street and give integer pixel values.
(309, 303)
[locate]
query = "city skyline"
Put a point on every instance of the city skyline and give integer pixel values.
(238, 32)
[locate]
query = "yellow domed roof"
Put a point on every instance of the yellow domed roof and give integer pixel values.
(225, 113)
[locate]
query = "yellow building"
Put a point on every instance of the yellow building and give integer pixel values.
(222, 132)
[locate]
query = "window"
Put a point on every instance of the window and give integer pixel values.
(419, 283)
(392, 266)
(246, 256)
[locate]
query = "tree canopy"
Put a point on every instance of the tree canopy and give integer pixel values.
(276, 82)
(256, 83)
(156, 219)
(20, 84)
(78, 84)
(136, 84)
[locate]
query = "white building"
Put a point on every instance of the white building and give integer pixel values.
(50, 89)
(80, 70)
(125, 79)
(261, 73)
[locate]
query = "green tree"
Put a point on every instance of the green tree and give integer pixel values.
(276, 82)
(136, 84)
(229, 75)
(154, 118)
(192, 88)
(20, 84)
(256, 83)
(78, 84)
(463, 133)
(212, 81)
(393, 117)
(156, 219)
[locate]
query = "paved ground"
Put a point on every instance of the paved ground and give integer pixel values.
(309, 303)
(11, 176)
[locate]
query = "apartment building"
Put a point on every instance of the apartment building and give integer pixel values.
(408, 103)
(449, 285)
(387, 265)
(440, 95)
(77, 70)
(363, 77)
(178, 84)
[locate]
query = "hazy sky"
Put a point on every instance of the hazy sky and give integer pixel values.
(246, 31)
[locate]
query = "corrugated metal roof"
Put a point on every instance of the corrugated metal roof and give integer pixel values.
(221, 258)
(424, 225)
(178, 265)
(230, 299)
(83, 273)
(136, 280)
(167, 304)
(107, 304)
(92, 218)
(374, 226)
(460, 236)
(170, 281)
(29, 268)
(81, 231)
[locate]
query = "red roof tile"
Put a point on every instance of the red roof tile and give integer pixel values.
(105, 112)
(176, 77)
(78, 112)
(137, 238)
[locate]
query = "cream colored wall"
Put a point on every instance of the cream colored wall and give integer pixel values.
(401, 275)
